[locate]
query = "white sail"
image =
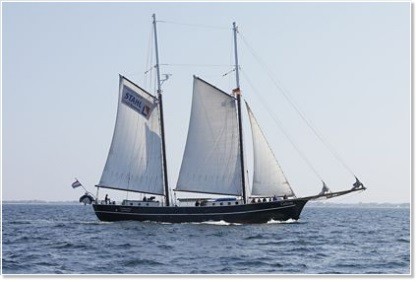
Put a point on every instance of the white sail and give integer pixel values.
(211, 161)
(268, 177)
(134, 162)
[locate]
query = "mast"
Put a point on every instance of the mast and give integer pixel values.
(160, 100)
(237, 91)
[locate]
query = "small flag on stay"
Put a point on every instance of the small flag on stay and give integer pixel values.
(76, 184)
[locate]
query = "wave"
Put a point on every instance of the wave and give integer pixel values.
(210, 222)
(36, 241)
(138, 262)
(289, 221)
(17, 222)
(258, 236)
(70, 245)
(94, 222)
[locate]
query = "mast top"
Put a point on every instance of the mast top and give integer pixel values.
(235, 29)
(157, 59)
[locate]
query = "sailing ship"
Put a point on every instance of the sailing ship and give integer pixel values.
(213, 162)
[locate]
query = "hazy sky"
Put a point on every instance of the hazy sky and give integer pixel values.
(346, 66)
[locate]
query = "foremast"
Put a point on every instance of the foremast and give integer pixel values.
(237, 92)
(160, 101)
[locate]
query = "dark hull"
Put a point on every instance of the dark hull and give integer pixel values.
(248, 213)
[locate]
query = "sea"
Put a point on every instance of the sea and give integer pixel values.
(69, 239)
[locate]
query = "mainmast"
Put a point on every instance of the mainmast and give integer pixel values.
(237, 92)
(160, 100)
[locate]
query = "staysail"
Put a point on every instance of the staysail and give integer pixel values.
(134, 162)
(211, 161)
(269, 178)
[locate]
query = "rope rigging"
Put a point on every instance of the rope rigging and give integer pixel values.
(149, 67)
(194, 25)
(276, 83)
(295, 107)
(148, 74)
(281, 127)
(196, 65)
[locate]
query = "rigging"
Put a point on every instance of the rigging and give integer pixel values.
(194, 25)
(281, 127)
(296, 108)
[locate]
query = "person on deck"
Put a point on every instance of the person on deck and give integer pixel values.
(107, 200)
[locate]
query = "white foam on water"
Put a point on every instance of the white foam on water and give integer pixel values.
(289, 221)
(210, 222)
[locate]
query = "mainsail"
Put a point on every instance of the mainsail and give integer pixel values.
(211, 161)
(268, 177)
(134, 162)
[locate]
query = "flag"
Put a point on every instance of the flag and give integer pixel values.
(76, 184)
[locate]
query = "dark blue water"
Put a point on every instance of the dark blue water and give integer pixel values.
(69, 239)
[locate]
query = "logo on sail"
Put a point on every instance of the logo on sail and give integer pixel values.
(139, 104)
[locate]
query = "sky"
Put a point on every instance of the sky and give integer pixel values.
(346, 66)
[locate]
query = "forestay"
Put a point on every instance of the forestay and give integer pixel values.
(211, 162)
(134, 162)
(268, 177)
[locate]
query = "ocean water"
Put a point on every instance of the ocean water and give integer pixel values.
(69, 239)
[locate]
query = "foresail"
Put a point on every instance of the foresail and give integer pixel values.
(134, 162)
(268, 177)
(211, 162)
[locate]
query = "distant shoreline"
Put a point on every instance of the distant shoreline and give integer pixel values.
(41, 202)
(358, 205)
(310, 204)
